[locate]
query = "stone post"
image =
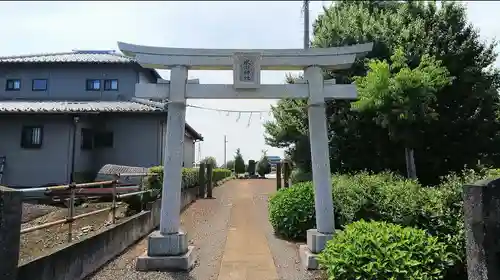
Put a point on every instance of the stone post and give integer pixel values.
(323, 200)
(482, 229)
(278, 176)
(168, 248)
(172, 171)
(210, 185)
(10, 231)
(201, 181)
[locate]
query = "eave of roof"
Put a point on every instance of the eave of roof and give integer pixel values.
(54, 107)
(86, 107)
(196, 135)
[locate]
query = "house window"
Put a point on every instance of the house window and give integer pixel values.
(103, 139)
(111, 84)
(39, 84)
(93, 85)
(13, 84)
(87, 139)
(31, 137)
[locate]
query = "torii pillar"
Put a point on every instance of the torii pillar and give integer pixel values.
(168, 248)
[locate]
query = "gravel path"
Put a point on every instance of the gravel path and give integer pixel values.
(207, 223)
(286, 254)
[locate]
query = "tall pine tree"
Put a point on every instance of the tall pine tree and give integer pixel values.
(239, 162)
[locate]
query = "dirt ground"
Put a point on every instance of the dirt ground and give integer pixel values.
(32, 211)
(39, 242)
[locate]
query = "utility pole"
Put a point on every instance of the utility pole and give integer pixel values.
(225, 148)
(306, 24)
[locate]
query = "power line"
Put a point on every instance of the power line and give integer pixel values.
(255, 111)
(260, 113)
(227, 110)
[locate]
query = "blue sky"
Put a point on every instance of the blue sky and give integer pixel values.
(34, 27)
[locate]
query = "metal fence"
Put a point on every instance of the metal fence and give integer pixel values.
(71, 217)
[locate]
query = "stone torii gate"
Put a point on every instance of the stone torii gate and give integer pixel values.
(168, 248)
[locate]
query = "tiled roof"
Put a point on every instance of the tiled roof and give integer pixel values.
(70, 57)
(76, 56)
(29, 106)
(61, 107)
(111, 169)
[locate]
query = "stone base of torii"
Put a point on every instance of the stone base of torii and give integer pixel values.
(168, 248)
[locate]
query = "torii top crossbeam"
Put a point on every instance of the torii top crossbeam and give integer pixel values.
(223, 59)
(246, 66)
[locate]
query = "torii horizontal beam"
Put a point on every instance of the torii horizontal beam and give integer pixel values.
(220, 91)
(222, 59)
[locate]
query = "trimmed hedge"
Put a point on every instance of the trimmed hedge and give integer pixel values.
(383, 197)
(291, 211)
(379, 250)
(155, 184)
(189, 175)
(220, 174)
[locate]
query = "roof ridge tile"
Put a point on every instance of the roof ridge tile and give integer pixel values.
(35, 54)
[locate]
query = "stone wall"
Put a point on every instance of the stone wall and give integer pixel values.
(79, 259)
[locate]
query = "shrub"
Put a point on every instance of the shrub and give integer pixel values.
(190, 176)
(358, 196)
(220, 174)
(155, 184)
(384, 197)
(229, 165)
(263, 166)
(379, 250)
(291, 211)
(210, 160)
(251, 167)
(298, 176)
(239, 162)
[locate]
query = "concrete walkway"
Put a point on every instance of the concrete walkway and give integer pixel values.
(233, 238)
(247, 254)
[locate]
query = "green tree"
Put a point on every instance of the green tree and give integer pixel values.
(210, 160)
(467, 128)
(399, 97)
(263, 166)
(229, 164)
(239, 162)
(251, 167)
